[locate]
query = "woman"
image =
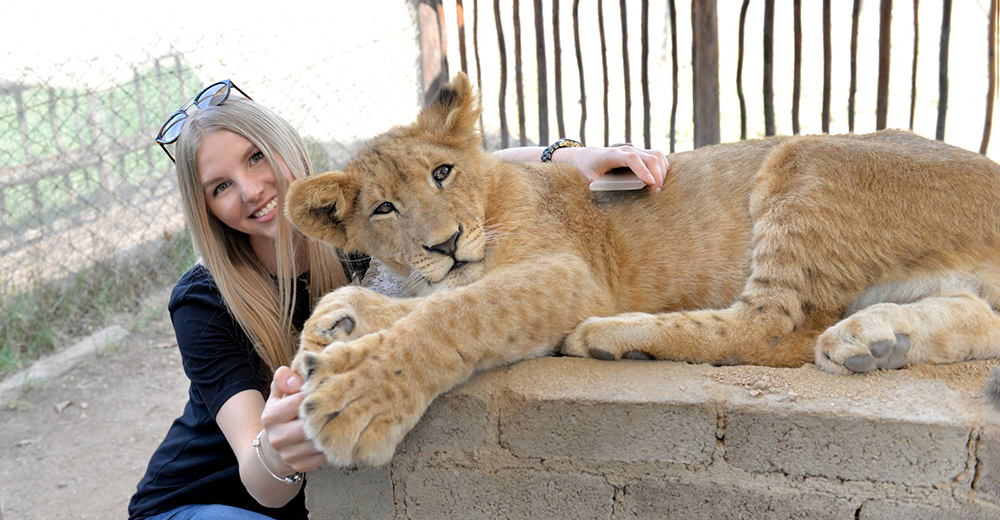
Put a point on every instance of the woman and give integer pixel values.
(239, 450)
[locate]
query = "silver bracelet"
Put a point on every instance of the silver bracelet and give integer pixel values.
(294, 478)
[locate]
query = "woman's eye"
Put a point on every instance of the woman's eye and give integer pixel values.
(218, 189)
(384, 209)
(441, 173)
(255, 158)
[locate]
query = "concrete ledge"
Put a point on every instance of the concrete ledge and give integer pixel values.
(63, 361)
(577, 438)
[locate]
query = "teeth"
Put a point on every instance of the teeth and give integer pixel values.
(267, 209)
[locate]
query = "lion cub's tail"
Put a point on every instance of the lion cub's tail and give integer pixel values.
(992, 390)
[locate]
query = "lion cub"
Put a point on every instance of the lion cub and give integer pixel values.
(855, 252)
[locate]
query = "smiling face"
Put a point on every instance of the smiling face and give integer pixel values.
(239, 185)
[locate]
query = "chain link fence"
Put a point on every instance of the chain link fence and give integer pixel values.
(89, 205)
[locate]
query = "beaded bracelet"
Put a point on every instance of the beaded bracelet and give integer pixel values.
(294, 478)
(562, 143)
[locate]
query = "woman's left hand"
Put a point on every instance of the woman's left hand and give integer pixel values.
(649, 165)
(285, 430)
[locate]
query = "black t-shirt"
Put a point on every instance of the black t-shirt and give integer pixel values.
(195, 464)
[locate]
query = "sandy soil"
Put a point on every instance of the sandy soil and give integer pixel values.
(77, 446)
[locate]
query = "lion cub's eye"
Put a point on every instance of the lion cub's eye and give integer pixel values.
(384, 209)
(441, 173)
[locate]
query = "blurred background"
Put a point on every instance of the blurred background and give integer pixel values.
(89, 212)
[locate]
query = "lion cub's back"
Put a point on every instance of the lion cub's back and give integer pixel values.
(688, 246)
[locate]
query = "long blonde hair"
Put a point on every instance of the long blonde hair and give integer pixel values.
(263, 310)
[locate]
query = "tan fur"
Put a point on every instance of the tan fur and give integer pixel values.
(777, 252)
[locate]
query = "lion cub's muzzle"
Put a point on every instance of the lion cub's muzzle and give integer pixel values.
(451, 259)
(448, 248)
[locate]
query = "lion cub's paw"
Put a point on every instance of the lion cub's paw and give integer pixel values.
(360, 403)
(861, 345)
(334, 319)
(626, 336)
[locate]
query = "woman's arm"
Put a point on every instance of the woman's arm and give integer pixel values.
(283, 443)
(239, 420)
(650, 166)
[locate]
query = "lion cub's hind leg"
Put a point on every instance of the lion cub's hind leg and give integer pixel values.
(953, 323)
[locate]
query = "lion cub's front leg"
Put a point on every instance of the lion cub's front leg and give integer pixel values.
(349, 313)
(364, 395)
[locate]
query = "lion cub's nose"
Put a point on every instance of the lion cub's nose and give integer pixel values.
(448, 246)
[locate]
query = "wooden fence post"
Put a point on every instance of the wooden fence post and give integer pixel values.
(943, 69)
(140, 101)
(769, 67)
(29, 155)
(705, 71)
(543, 85)
(884, 39)
(433, 47)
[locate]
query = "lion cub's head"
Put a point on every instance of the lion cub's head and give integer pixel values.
(413, 198)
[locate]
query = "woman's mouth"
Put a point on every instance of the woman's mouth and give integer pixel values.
(266, 210)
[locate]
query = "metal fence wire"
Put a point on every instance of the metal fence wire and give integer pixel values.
(81, 179)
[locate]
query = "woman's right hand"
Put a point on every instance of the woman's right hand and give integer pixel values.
(286, 442)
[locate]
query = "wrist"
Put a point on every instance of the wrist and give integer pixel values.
(549, 153)
(259, 447)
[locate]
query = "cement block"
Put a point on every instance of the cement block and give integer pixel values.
(988, 463)
(454, 422)
(595, 410)
(628, 432)
(510, 495)
(845, 446)
(649, 498)
(893, 510)
(362, 494)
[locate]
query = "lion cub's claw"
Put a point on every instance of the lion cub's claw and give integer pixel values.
(340, 330)
(305, 363)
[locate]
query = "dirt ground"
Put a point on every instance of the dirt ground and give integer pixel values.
(75, 447)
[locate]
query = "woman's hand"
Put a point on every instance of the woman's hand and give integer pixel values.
(649, 165)
(286, 443)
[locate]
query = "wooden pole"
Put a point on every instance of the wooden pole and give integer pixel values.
(827, 67)
(768, 67)
(991, 72)
(579, 66)
(705, 71)
(796, 63)
(433, 50)
(739, 71)
(943, 69)
(543, 81)
(884, 41)
(852, 90)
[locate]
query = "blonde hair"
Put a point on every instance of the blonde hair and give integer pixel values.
(263, 310)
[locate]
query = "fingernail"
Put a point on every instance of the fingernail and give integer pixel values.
(656, 190)
(651, 179)
(294, 383)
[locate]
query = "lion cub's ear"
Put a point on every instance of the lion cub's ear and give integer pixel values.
(317, 206)
(452, 117)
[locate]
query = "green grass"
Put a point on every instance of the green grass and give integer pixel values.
(46, 314)
(67, 121)
(37, 321)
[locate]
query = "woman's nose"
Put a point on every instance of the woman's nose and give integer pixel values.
(252, 189)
